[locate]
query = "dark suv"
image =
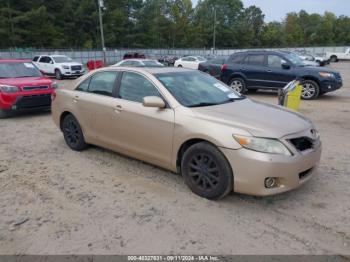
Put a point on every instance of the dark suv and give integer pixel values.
(274, 69)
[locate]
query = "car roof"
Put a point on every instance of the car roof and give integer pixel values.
(15, 60)
(139, 59)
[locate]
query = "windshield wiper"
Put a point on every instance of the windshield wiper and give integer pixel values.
(203, 104)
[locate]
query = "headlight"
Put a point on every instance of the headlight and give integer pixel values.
(54, 85)
(266, 145)
(65, 67)
(8, 89)
(326, 75)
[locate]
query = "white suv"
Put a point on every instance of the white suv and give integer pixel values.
(58, 65)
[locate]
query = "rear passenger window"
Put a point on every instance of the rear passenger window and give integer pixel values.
(135, 87)
(35, 58)
(103, 83)
(237, 58)
(255, 60)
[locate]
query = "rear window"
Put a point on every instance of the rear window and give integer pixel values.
(237, 58)
(255, 60)
(35, 58)
(20, 69)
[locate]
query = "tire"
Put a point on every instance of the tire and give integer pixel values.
(311, 90)
(238, 84)
(179, 66)
(196, 164)
(3, 114)
(58, 74)
(73, 135)
(334, 59)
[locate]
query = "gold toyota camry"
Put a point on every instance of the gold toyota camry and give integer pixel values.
(189, 122)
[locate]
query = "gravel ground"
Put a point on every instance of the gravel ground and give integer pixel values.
(56, 201)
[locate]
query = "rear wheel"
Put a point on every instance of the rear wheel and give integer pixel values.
(58, 74)
(179, 66)
(73, 135)
(206, 171)
(238, 84)
(310, 91)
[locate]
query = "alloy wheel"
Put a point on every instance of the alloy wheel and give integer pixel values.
(237, 85)
(204, 172)
(71, 130)
(308, 91)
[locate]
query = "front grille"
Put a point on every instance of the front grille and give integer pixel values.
(302, 143)
(305, 174)
(31, 88)
(34, 101)
(76, 68)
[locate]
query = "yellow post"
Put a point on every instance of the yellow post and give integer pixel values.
(293, 98)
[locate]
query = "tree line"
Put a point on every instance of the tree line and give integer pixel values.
(161, 24)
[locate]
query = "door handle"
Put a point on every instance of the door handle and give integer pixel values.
(269, 71)
(118, 108)
(75, 99)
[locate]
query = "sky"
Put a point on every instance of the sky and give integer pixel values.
(277, 9)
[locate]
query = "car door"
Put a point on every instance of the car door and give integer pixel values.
(143, 132)
(42, 64)
(255, 70)
(94, 105)
(50, 65)
(277, 75)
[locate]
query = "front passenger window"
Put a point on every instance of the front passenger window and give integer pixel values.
(275, 61)
(135, 87)
(103, 83)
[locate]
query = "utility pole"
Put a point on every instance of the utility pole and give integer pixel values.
(214, 34)
(100, 7)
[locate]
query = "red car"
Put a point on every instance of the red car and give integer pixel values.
(23, 87)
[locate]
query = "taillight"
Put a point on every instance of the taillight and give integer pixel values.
(223, 67)
(53, 95)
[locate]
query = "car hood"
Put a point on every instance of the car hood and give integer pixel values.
(314, 69)
(259, 119)
(26, 81)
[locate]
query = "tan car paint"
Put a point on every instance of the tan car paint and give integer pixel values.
(155, 135)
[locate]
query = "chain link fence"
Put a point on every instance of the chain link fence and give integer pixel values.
(115, 55)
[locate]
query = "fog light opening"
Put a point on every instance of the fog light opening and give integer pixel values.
(271, 182)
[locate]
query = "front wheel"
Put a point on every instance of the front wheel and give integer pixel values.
(310, 91)
(238, 84)
(179, 66)
(206, 171)
(334, 58)
(58, 74)
(73, 135)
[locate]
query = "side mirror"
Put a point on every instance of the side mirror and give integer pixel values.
(285, 66)
(153, 101)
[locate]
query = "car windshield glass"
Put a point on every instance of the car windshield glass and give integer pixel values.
(200, 58)
(15, 70)
(152, 63)
(62, 59)
(295, 59)
(194, 89)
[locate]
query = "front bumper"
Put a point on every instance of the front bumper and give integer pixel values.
(28, 101)
(329, 85)
(251, 168)
(73, 73)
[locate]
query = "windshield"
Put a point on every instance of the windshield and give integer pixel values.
(200, 58)
(62, 59)
(151, 63)
(194, 89)
(295, 59)
(21, 69)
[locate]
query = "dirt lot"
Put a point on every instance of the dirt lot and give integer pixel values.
(56, 201)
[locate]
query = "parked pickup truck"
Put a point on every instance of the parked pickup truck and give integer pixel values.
(335, 57)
